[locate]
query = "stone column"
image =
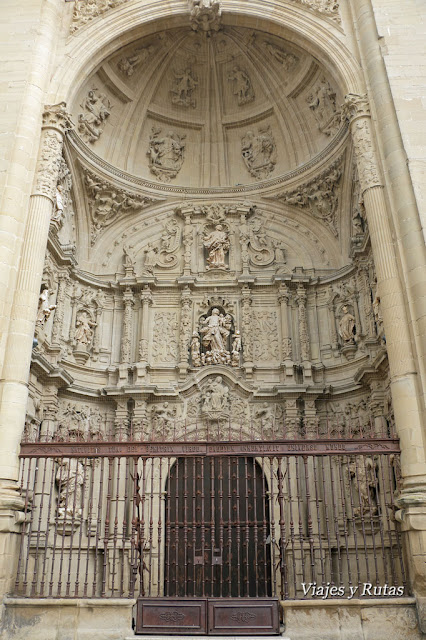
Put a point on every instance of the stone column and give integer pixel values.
(127, 335)
(16, 366)
(286, 347)
(185, 331)
(305, 346)
(404, 380)
(146, 302)
(246, 330)
(19, 345)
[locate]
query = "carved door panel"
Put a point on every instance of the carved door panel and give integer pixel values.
(217, 529)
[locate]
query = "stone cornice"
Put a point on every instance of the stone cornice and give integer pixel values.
(89, 160)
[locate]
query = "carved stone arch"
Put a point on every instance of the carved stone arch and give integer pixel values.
(96, 40)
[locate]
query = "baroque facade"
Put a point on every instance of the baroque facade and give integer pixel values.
(212, 232)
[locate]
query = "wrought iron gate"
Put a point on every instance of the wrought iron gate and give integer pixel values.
(208, 536)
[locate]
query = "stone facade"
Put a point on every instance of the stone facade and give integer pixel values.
(216, 220)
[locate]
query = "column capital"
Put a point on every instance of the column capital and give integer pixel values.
(146, 295)
(57, 117)
(356, 111)
(355, 106)
(56, 122)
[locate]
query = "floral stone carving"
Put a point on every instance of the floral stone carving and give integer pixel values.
(107, 202)
(87, 10)
(165, 154)
(163, 253)
(259, 152)
(320, 196)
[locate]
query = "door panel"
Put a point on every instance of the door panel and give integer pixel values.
(217, 529)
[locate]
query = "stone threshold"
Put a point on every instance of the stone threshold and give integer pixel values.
(154, 637)
(68, 602)
(344, 602)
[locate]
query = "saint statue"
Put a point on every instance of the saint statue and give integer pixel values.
(347, 327)
(195, 350)
(217, 243)
(84, 330)
(214, 331)
(44, 308)
(215, 396)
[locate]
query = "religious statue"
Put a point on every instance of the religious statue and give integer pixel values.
(259, 152)
(184, 88)
(265, 418)
(236, 349)
(322, 102)
(96, 110)
(84, 329)
(363, 472)
(215, 397)
(70, 479)
(165, 154)
(215, 330)
(347, 326)
(282, 57)
(242, 85)
(205, 15)
(58, 213)
(217, 243)
(128, 65)
(195, 350)
(163, 419)
(44, 308)
(151, 256)
(129, 257)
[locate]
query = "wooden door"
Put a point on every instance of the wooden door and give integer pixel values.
(217, 535)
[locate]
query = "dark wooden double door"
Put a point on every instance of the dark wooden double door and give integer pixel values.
(217, 529)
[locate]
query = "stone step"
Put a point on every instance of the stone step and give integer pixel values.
(167, 637)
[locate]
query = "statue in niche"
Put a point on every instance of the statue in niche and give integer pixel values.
(129, 257)
(215, 397)
(151, 256)
(214, 331)
(287, 60)
(279, 251)
(236, 349)
(378, 314)
(259, 152)
(96, 110)
(84, 329)
(70, 479)
(195, 350)
(363, 472)
(265, 419)
(347, 326)
(243, 88)
(58, 213)
(166, 154)
(184, 88)
(128, 65)
(44, 308)
(322, 102)
(217, 243)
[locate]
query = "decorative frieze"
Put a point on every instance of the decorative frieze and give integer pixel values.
(320, 196)
(108, 202)
(85, 11)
